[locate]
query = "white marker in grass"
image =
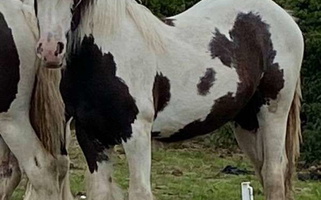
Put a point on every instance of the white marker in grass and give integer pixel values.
(247, 191)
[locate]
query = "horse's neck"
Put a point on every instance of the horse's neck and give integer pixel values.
(125, 21)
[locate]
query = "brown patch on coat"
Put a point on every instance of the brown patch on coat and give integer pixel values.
(5, 169)
(99, 100)
(272, 82)
(221, 113)
(206, 82)
(169, 21)
(161, 92)
(251, 53)
(222, 48)
(36, 162)
(9, 66)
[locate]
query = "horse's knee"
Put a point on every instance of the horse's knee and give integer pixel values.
(101, 184)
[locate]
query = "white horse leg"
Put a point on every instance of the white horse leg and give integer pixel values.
(10, 174)
(100, 185)
(63, 163)
(252, 145)
(64, 167)
(275, 158)
(266, 150)
(64, 182)
(138, 152)
(36, 162)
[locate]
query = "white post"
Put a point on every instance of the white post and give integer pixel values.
(247, 191)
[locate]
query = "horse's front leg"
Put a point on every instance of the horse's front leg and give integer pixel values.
(100, 185)
(10, 174)
(138, 152)
(39, 166)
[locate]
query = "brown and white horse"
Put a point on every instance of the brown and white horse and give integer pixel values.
(129, 75)
(31, 108)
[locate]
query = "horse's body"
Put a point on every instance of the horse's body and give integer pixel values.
(20, 95)
(128, 74)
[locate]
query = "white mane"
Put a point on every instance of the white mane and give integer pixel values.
(105, 17)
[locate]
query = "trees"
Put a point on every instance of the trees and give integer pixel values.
(308, 14)
(168, 7)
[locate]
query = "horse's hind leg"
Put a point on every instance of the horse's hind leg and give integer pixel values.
(252, 145)
(272, 149)
(10, 174)
(266, 150)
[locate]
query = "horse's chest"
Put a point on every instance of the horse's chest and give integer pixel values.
(99, 101)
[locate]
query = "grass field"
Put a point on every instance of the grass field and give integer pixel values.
(189, 171)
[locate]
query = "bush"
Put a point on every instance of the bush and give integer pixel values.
(163, 8)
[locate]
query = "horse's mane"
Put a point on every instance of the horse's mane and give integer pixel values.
(47, 110)
(107, 15)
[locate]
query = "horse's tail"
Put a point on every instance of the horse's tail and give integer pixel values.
(47, 110)
(293, 138)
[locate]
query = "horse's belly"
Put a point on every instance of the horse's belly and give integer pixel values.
(173, 120)
(186, 118)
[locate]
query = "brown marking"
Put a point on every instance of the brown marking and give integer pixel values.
(221, 113)
(206, 82)
(5, 169)
(103, 110)
(161, 92)
(272, 82)
(9, 66)
(36, 162)
(251, 53)
(222, 48)
(169, 21)
(251, 57)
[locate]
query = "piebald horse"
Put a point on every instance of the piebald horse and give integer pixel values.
(32, 128)
(130, 75)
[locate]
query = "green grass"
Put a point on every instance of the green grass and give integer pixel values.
(189, 172)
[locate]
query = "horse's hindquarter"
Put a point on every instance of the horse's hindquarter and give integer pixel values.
(192, 58)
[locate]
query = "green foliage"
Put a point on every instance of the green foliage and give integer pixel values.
(308, 14)
(168, 8)
(224, 138)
